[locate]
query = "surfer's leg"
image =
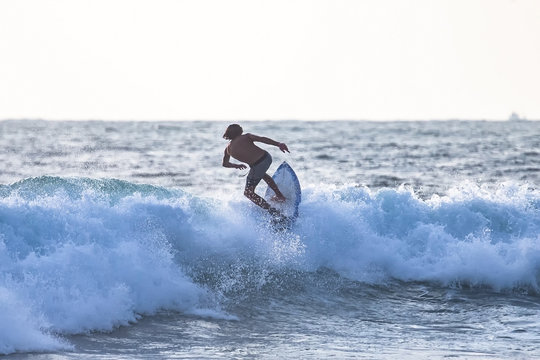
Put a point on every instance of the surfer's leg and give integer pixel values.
(272, 184)
(256, 174)
(249, 192)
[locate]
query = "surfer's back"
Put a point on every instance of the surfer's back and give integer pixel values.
(243, 149)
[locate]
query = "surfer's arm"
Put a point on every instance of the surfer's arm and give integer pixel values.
(226, 162)
(268, 141)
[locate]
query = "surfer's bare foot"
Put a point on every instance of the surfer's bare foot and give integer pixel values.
(277, 198)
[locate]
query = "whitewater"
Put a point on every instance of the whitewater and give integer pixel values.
(124, 240)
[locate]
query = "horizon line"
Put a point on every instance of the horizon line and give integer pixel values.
(263, 120)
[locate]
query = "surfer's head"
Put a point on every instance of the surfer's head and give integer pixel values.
(232, 131)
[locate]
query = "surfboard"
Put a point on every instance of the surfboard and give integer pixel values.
(288, 184)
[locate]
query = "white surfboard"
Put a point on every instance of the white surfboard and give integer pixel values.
(288, 184)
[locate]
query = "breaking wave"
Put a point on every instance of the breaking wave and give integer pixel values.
(80, 254)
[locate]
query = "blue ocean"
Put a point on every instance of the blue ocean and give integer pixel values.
(129, 240)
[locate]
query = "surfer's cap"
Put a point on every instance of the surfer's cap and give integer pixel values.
(232, 131)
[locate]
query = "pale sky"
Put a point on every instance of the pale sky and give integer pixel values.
(252, 59)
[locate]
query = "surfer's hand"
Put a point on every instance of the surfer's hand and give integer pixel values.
(241, 167)
(283, 147)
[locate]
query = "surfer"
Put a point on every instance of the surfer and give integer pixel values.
(242, 148)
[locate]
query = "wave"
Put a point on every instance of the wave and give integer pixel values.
(80, 255)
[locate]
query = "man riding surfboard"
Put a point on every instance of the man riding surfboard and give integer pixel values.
(242, 148)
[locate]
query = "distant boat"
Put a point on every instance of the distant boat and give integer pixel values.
(515, 117)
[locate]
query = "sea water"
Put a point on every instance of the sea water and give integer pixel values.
(123, 240)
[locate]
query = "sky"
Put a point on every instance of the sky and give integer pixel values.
(277, 60)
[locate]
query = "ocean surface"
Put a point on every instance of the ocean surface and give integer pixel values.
(129, 240)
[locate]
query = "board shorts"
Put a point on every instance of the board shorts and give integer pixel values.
(258, 170)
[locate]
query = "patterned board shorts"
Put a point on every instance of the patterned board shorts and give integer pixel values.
(258, 170)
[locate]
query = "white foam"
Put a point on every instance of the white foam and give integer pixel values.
(479, 237)
(23, 330)
(72, 266)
